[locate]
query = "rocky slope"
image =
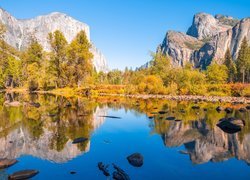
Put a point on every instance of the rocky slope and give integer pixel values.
(208, 38)
(19, 32)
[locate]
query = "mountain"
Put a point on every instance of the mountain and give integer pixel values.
(19, 32)
(208, 38)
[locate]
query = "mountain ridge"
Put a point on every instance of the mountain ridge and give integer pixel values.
(19, 32)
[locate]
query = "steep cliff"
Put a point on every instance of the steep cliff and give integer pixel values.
(19, 32)
(207, 39)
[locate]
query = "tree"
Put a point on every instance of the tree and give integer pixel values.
(32, 65)
(243, 60)
(80, 58)
(217, 74)
(58, 57)
(229, 63)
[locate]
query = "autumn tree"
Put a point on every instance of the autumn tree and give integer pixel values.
(80, 59)
(229, 63)
(58, 57)
(216, 74)
(32, 64)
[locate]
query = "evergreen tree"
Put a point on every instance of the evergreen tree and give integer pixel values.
(32, 65)
(243, 60)
(58, 57)
(229, 63)
(80, 59)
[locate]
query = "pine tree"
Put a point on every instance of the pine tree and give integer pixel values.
(243, 60)
(58, 57)
(32, 64)
(80, 58)
(229, 63)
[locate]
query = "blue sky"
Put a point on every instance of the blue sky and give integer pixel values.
(127, 30)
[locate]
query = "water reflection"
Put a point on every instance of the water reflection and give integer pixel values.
(46, 131)
(44, 126)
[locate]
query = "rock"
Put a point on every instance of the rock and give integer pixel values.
(150, 117)
(242, 110)
(195, 107)
(18, 32)
(79, 140)
(248, 107)
(119, 174)
(25, 174)
(205, 109)
(5, 163)
(68, 104)
(112, 117)
(72, 172)
(178, 120)
(231, 125)
(12, 104)
(219, 109)
(162, 112)
(104, 169)
(207, 39)
(170, 118)
(37, 105)
(135, 159)
(228, 110)
(183, 152)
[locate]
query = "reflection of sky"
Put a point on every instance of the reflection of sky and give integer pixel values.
(128, 135)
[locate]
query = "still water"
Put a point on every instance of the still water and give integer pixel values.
(40, 137)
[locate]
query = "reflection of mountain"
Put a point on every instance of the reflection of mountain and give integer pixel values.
(204, 144)
(21, 142)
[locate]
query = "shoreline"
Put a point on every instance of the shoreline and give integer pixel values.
(229, 99)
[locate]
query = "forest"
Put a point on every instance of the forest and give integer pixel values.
(69, 66)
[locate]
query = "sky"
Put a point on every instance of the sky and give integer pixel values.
(126, 31)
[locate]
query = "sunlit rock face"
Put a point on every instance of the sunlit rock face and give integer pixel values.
(19, 32)
(207, 39)
(205, 144)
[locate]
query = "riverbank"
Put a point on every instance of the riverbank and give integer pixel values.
(69, 92)
(184, 98)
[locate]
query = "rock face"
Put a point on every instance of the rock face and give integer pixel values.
(208, 38)
(19, 32)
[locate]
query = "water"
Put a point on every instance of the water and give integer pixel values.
(41, 138)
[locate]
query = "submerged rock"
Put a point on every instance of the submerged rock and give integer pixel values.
(104, 169)
(219, 109)
(242, 110)
(112, 117)
(37, 105)
(195, 107)
(228, 110)
(25, 174)
(162, 112)
(119, 174)
(135, 159)
(5, 163)
(170, 118)
(79, 140)
(231, 125)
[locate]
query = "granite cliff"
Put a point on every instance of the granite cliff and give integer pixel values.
(207, 39)
(19, 32)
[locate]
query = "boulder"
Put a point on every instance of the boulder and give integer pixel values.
(104, 169)
(231, 125)
(135, 159)
(79, 140)
(5, 163)
(119, 174)
(24, 174)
